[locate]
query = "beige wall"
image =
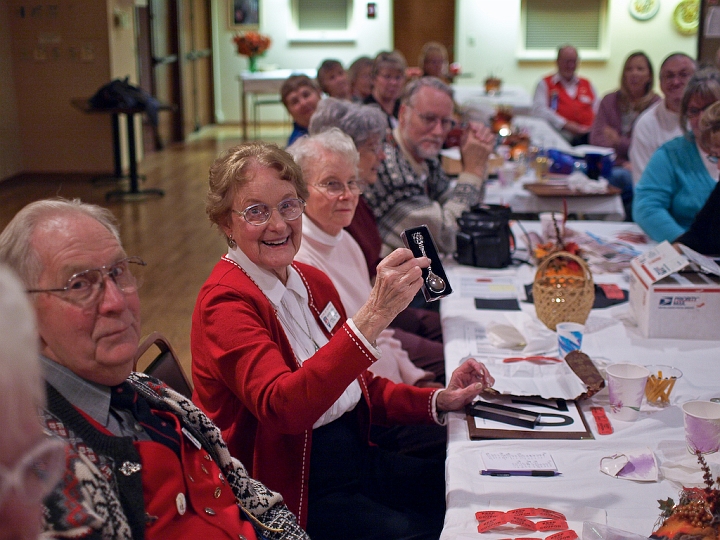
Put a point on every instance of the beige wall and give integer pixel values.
(58, 55)
(10, 148)
(487, 34)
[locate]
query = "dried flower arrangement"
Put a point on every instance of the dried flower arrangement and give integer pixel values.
(251, 43)
(697, 514)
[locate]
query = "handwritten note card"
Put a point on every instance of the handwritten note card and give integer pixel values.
(518, 461)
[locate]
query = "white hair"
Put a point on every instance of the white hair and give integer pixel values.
(21, 383)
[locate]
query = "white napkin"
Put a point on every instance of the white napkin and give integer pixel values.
(678, 465)
(539, 338)
(578, 181)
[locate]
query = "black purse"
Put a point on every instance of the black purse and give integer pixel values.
(484, 238)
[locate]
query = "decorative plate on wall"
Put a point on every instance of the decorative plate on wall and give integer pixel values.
(643, 10)
(687, 17)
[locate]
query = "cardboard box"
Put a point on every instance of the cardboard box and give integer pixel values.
(675, 296)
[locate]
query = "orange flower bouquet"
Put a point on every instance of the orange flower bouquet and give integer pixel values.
(252, 45)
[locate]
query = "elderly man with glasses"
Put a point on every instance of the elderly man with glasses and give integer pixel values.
(412, 188)
(143, 462)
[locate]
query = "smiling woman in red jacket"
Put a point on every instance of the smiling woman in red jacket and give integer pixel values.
(283, 372)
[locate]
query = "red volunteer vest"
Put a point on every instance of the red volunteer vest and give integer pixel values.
(580, 109)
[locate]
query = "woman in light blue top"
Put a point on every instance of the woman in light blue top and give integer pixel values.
(679, 177)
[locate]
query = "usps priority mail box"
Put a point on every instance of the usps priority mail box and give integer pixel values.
(675, 296)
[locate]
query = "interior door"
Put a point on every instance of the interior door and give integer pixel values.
(159, 68)
(196, 64)
(415, 22)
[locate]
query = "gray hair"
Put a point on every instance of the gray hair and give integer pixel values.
(307, 150)
(674, 55)
(704, 83)
(361, 122)
(16, 249)
(21, 387)
(414, 87)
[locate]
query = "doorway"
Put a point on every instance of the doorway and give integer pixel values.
(174, 58)
(415, 22)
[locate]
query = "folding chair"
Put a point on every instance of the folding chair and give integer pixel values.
(166, 365)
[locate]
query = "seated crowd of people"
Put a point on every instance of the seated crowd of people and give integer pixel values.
(320, 394)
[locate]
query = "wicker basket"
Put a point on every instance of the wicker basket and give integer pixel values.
(563, 298)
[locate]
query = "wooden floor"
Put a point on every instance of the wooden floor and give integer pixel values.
(171, 233)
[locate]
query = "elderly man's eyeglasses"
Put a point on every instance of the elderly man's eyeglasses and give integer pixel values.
(84, 287)
(259, 214)
(334, 188)
(36, 474)
(431, 120)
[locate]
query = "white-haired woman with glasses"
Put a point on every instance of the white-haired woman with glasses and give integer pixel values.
(329, 162)
(283, 372)
(30, 462)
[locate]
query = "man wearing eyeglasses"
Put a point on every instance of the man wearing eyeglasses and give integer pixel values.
(143, 462)
(660, 122)
(412, 189)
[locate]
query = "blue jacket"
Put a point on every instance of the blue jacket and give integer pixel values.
(672, 190)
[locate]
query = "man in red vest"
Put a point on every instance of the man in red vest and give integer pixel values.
(565, 100)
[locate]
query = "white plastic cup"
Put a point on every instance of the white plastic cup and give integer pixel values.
(548, 227)
(626, 385)
(569, 335)
(702, 426)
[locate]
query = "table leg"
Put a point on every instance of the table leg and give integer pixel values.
(117, 159)
(134, 193)
(117, 155)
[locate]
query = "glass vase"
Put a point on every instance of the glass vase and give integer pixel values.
(252, 64)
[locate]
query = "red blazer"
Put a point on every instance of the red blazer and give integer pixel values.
(578, 110)
(248, 381)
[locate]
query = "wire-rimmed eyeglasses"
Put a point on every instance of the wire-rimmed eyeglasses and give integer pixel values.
(36, 474)
(431, 120)
(333, 188)
(259, 214)
(84, 287)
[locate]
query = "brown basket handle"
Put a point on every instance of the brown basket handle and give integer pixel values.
(565, 255)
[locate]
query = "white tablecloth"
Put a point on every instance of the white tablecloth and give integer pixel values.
(475, 97)
(521, 200)
(610, 337)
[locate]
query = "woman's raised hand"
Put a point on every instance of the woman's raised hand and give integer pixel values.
(399, 278)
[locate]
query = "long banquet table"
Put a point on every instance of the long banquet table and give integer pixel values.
(610, 337)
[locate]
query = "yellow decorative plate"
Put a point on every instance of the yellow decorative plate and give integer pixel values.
(643, 10)
(687, 17)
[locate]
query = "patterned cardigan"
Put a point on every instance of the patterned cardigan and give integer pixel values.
(94, 501)
(401, 198)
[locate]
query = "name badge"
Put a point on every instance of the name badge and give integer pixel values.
(329, 316)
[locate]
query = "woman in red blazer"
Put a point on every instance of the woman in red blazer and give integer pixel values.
(283, 372)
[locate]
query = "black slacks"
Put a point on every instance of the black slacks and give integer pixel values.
(359, 492)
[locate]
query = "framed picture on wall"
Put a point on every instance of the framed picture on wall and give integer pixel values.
(244, 14)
